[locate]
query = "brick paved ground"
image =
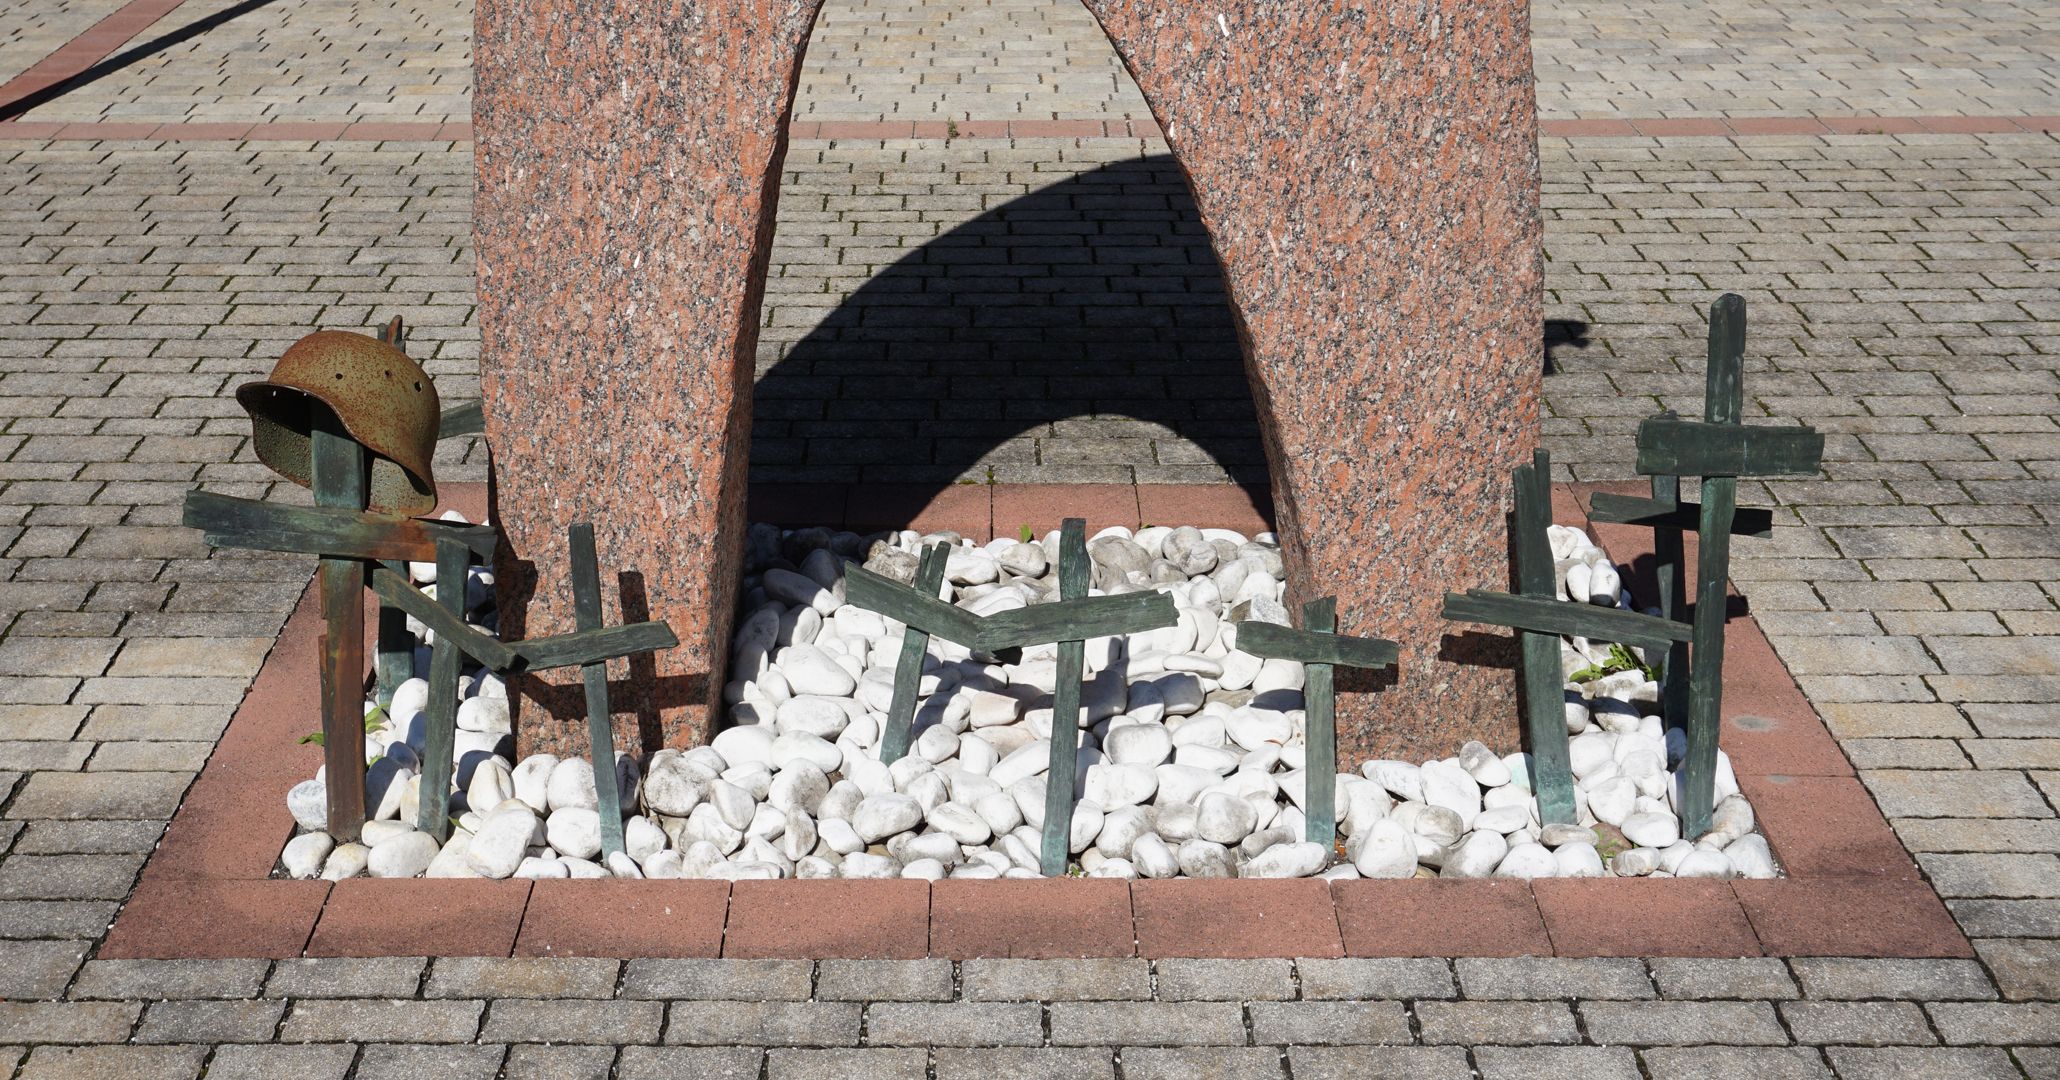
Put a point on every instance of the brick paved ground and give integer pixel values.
(29, 32)
(1903, 292)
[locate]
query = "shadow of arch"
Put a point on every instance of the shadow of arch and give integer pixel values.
(1077, 333)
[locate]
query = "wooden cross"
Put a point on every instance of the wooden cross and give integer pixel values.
(1540, 617)
(1075, 618)
(1719, 449)
(1319, 647)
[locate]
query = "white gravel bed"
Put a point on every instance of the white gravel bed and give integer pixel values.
(1191, 758)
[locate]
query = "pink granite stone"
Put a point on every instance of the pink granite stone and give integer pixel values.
(1369, 177)
(628, 162)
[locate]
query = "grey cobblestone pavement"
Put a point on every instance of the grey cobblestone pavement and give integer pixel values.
(1902, 295)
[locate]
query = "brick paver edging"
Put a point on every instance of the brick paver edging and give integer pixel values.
(1853, 891)
(1005, 130)
(73, 57)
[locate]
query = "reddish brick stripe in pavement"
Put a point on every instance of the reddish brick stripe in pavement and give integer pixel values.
(98, 42)
(1853, 890)
(941, 131)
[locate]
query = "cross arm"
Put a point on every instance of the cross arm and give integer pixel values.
(905, 605)
(1077, 620)
(1273, 642)
(1548, 616)
(324, 530)
(1753, 521)
(1673, 446)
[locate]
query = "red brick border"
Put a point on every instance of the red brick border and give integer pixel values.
(97, 43)
(977, 130)
(1854, 890)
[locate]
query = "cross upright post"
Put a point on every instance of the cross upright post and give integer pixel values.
(1320, 649)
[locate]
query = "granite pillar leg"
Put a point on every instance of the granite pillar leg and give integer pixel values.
(1368, 175)
(628, 161)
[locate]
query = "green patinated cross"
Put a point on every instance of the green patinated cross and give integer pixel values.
(1070, 622)
(1319, 647)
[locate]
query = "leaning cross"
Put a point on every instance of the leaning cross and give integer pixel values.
(1073, 619)
(1320, 648)
(1541, 617)
(1720, 449)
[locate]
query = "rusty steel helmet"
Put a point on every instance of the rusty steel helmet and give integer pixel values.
(382, 398)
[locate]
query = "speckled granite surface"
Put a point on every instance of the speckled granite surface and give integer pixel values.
(627, 165)
(1369, 176)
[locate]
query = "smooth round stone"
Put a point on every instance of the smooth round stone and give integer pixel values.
(789, 587)
(1119, 785)
(574, 831)
(998, 809)
(345, 861)
(1577, 860)
(1637, 862)
(808, 714)
(492, 784)
(1029, 760)
(305, 854)
(1402, 779)
(863, 865)
(1204, 859)
(1152, 858)
(961, 823)
(1613, 801)
(744, 744)
(1554, 835)
(1224, 819)
(1527, 861)
(1652, 830)
(1503, 819)
(1277, 674)
(532, 779)
(572, 784)
(1253, 729)
(1290, 860)
(810, 670)
(1387, 851)
(375, 833)
(489, 714)
(455, 859)
(536, 867)
(1483, 765)
(1447, 785)
(800, 787)
(1588, 753)
(1750, 857)
(620, 865)
(1704, 864)
(1148, 745)
(790, 750)
(641, 837)
(883, 815)
(501, 842)
(670, 788)
(408, 854)
(308, 802)
(1478, 855)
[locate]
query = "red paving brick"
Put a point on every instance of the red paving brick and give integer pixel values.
(1439, 918)
(1217, 506)
(1850, 917)
(1044, 920)
(420, 917)
(965, 509)
(887, 919)
(167, 919)
(1643, 917)
(1044, 507)
(624, 918)
(1235, 919)
(1826, 827)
